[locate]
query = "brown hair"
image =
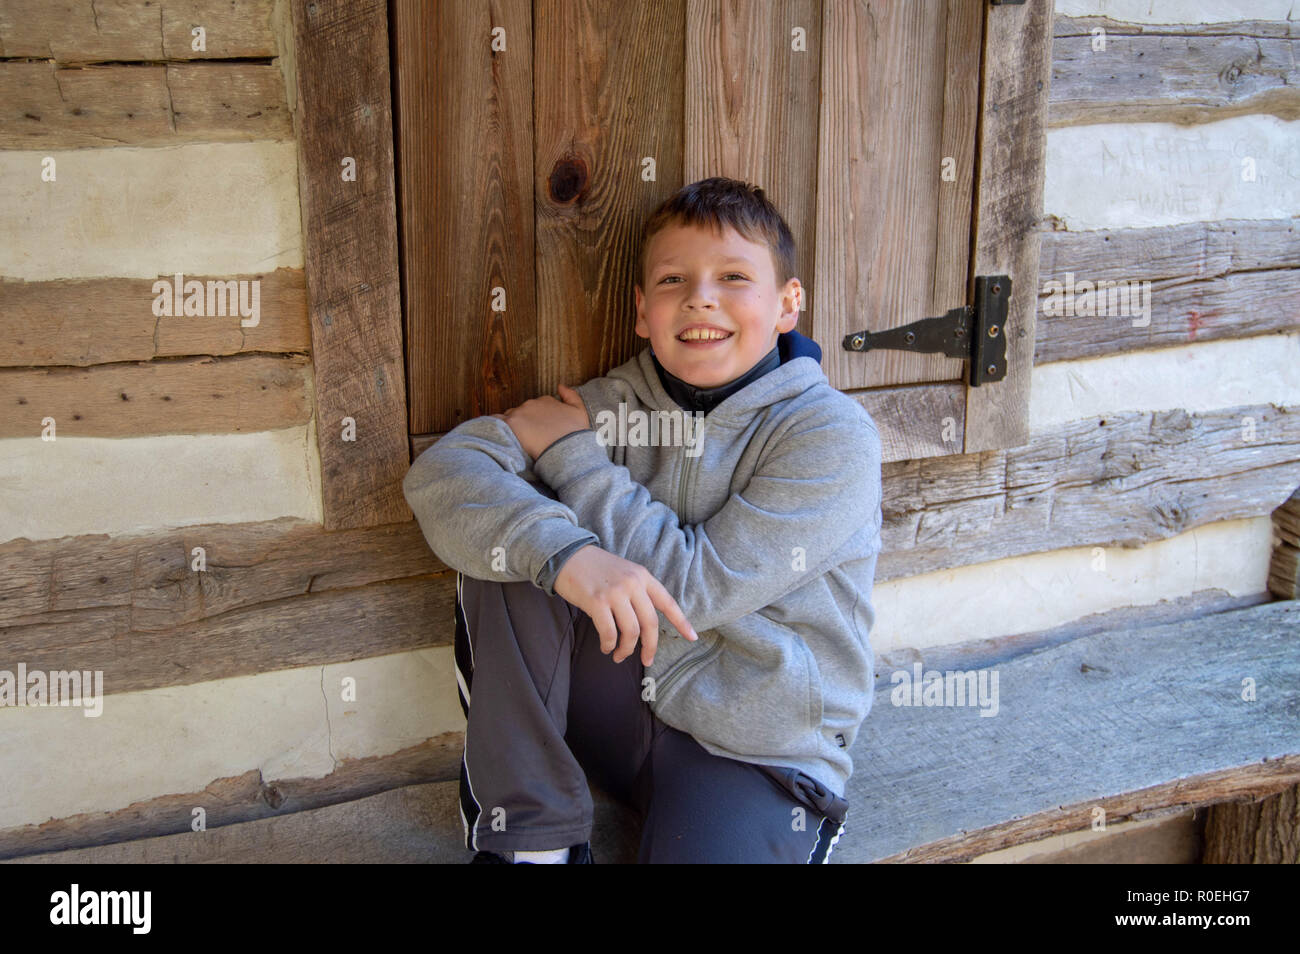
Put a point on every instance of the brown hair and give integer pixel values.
(717, 202)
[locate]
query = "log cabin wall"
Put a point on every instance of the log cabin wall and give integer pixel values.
(1156, 458)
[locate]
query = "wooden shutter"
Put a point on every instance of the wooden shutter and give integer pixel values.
(525, 171)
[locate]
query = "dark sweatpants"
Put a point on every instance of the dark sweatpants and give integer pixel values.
(547, 704)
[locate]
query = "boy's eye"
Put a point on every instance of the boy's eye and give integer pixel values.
(728, 275)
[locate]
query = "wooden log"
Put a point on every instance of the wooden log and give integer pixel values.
(350, 236)
(1083, 26)
(231, 395)
(1121, 480)
(46, 107)
(1284, 571)
(1129, 316)
(1264, 831)
(133, 602)
(1194, 250)
(1009, 206)
(134, 607)
(1128, 722)
(92, 321)
(467, 214)
(242, 798)
(84, 31)
(1188, 77)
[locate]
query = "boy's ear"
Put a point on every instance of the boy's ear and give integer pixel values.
(642, 329)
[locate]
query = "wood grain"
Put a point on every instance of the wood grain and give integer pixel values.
(350, 238)
(241, 798)
(1009, 205)
(608, 85)
(1261, 832)
(1127, 721)
(87, 31)
(751, 111)
(882, 204)
(1119, 480)
(232, 395)
(464, 120)
(1173, 78)
(47, 107)
(101, 320)
(134, 607)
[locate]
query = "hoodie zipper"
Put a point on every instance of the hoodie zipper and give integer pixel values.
(688, 662)
(686, 470)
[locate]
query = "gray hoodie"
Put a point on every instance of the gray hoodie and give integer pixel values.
(762, 521)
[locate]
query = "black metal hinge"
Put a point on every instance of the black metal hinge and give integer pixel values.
(975, 332)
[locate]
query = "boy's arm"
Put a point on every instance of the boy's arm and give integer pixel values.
(472, 492)
(814, 488)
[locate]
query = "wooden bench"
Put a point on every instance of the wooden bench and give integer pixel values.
(1131, 721)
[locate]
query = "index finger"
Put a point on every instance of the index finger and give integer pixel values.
(665, 603)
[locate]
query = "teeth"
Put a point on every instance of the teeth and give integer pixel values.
(703, 334)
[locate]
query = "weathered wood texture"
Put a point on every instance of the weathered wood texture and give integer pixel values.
(466, 210)
(1208, 281)
(603, 103)
(1079, 26)
(1103, 704)
(47, 107)
(1284, 567)
(274, 595)
(1009, 205)
(899, 110)
(231, 395)
(242, 798)
(87, 31)
(1200, 73)
(133, 607)
(1264, 831)
(85, 322)
(1121, 480)
(923, 420)
(350, 239)
(762, 129)
(1126, 721)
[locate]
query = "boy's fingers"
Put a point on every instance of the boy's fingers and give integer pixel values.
(605, 629)
(645, 612)
(629, 629)
(664, 601)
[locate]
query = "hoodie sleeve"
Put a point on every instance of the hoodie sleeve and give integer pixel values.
(482, 510)
(814, 488)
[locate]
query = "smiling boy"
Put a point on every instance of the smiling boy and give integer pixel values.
(759, 550)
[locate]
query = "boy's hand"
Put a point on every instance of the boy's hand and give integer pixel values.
(541, 421)
(621, 598)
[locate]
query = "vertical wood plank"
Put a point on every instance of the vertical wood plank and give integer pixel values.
(884, 131)
(350, 238)
(608, 82)
(464, 172)
(1012, 157)
(751, 109)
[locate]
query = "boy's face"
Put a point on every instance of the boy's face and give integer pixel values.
(695, 277)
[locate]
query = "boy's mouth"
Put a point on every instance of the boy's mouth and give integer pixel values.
(703, 337)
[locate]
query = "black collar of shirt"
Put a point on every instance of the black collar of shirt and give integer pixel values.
(693, 399)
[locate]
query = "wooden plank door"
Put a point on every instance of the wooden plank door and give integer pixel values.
(534, 138)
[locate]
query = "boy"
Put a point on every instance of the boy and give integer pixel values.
(742, 560)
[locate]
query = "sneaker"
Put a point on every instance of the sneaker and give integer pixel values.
(578, 855)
